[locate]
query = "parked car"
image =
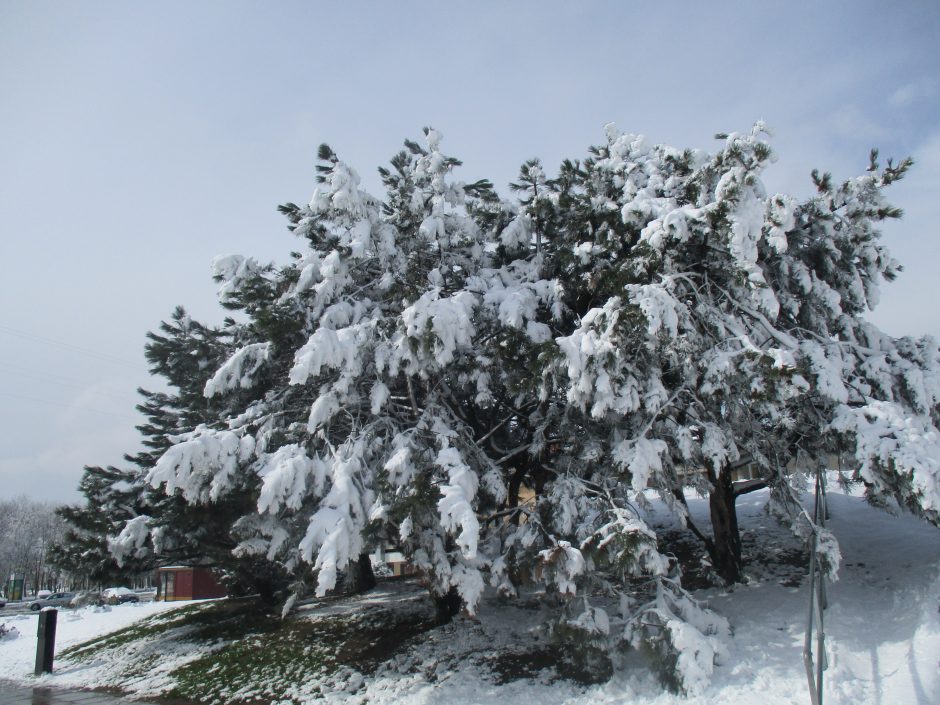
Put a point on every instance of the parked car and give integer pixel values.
(55, 599)
(87, 598)
(119, 595)
(3, 603)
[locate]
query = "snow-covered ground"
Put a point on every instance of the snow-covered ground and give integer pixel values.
(18, 650)
(883, 634)
(883, 629)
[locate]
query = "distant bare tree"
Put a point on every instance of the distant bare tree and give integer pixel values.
(28, 530)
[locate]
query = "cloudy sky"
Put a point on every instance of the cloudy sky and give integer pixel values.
(139, 140)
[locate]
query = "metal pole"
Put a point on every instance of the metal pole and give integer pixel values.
(808, 642)
(822, 512)
(821, 660)
(817, 601)
(45, 642)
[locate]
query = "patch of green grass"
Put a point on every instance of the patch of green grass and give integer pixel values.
(294, 654)
(260, 666)
(248, 654)
(148, 627)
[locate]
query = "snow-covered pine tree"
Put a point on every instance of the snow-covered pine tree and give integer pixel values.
(394, 375)
(733, 332)
(334, 404)
(583, 535)
(649, 319)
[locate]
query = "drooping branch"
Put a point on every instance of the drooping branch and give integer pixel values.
(747, 486)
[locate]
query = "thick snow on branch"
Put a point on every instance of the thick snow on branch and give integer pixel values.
(130, 541)
(658, 305)
(239, 370)
(516, 301)
(447, 320)
(518, 233)
(456, 505)
(780, 218)
(683, 634)
(469, 584)
(336, 542)
(642, 457)
(339, 191)
(898, 454)
(829, 371)
(561, 565)
(330, 349)
(288, 476)
(629, 543)
(399, 467)
(204, 467)
(601, 368)
(321, 411)
(335, 530)
(309, 272)
(233, 271)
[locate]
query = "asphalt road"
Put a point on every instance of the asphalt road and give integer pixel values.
(13, 694)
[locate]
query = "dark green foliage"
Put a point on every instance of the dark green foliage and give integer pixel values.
(110, 500)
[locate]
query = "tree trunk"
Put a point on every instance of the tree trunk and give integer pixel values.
(446, 606)
(266, 591)
(725, 548)
(359, 576)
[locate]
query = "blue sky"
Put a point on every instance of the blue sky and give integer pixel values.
(139, 140)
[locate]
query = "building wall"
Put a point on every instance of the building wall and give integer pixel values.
(184, 584)
(205, 585)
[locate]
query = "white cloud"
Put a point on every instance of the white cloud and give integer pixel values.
(913, 92)
(852, 122)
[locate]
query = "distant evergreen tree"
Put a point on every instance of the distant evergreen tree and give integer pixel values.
(111, 499)
(186, 354)
(114, 496)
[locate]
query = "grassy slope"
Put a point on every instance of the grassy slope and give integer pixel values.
(383, 648)
(240, 652)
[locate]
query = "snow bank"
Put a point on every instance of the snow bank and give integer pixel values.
(18, 655)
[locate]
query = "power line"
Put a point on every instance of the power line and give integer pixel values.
(59, 406)
(69, 346)
(56, 378)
